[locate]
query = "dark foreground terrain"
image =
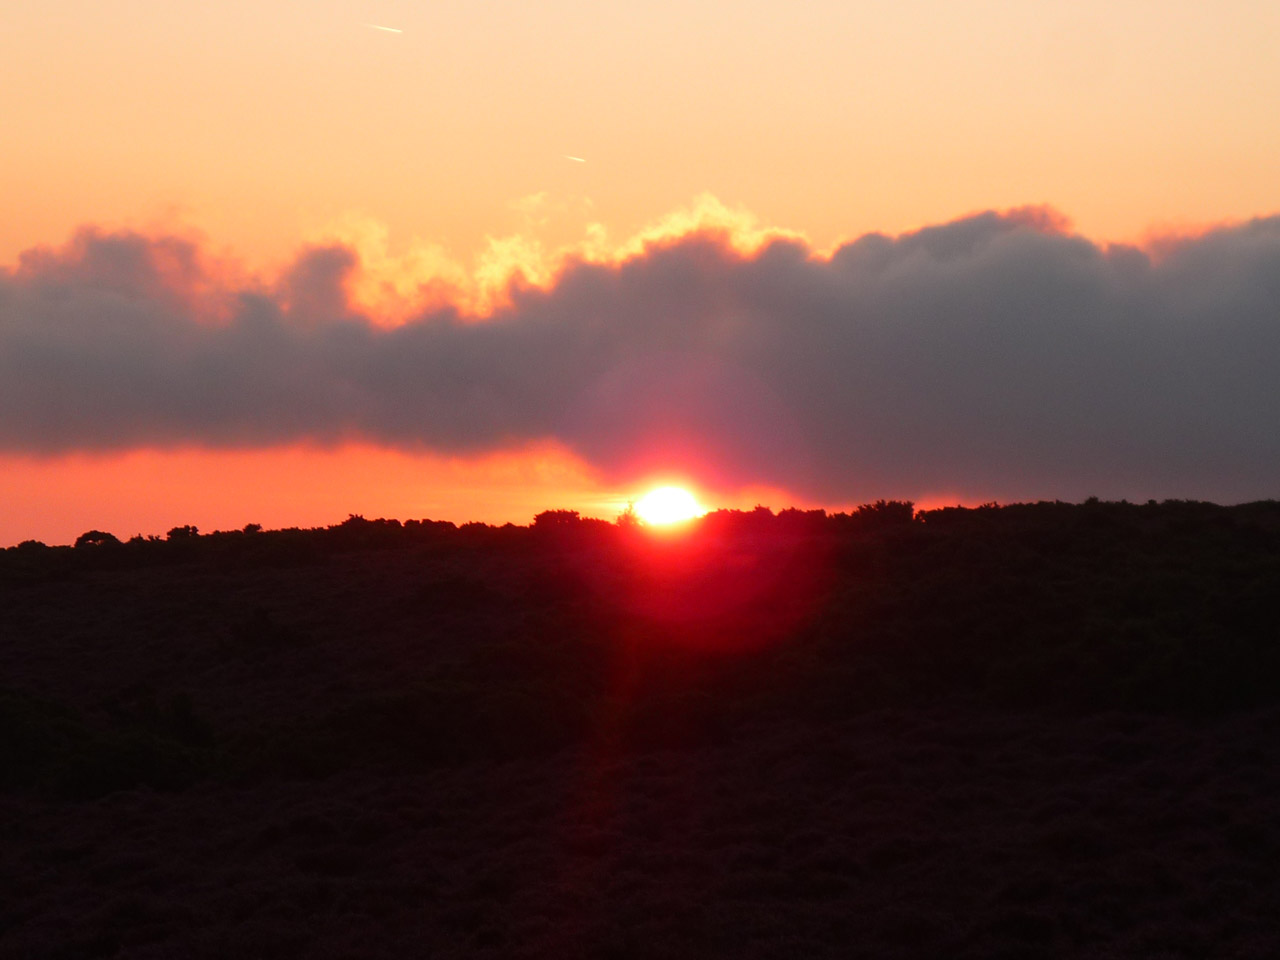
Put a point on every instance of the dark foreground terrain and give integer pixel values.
(1025, 731)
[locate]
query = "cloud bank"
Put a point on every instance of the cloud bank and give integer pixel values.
(996, 356)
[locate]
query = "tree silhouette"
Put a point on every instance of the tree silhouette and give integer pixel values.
(556, 520)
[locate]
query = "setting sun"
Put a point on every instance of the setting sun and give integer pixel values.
(665, 505)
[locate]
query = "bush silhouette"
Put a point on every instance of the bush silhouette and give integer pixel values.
(556, 520)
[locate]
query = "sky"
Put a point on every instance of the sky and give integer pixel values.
(269, 263)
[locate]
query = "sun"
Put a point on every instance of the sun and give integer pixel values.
(664, 505)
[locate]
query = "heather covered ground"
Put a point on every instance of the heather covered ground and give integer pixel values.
(1036, 730)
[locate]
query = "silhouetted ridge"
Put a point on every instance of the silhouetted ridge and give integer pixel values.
(1026, 730)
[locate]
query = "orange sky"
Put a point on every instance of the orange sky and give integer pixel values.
(151, 491)
(264, 124)
(438, 153)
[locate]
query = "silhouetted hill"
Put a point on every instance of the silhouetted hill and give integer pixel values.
(1038, 729)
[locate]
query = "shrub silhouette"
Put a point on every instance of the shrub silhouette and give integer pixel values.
(556, 520)
(628, 519)
(96, 538)
(883, 514)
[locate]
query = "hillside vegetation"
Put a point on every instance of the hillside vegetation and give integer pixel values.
(1040, 729)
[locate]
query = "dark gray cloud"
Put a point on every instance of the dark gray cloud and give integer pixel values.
(995, 356)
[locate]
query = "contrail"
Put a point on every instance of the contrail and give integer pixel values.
(374, 26)
(579, 159)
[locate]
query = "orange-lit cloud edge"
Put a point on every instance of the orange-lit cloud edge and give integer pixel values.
(390, 284)
(147, 490)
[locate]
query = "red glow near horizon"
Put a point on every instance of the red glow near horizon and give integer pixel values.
(729, 583)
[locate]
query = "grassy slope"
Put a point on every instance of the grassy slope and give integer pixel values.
(1032, 730)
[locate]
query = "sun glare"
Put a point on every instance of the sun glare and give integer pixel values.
(665, 505)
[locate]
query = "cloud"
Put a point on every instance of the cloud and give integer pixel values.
(996, 356)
